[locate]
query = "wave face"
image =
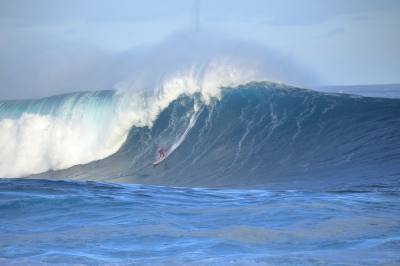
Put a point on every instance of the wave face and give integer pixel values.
(260, 134)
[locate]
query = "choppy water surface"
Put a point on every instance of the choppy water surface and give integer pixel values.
(72, 222)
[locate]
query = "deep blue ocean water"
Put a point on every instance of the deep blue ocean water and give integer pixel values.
(98, 223)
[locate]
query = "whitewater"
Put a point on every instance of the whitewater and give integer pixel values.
(257, 172)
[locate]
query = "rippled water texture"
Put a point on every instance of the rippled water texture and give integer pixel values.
(98, 223)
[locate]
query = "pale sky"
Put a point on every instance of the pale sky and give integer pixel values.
(50, 46)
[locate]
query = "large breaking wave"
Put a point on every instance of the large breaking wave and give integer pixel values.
(66, 130)
(259, 133)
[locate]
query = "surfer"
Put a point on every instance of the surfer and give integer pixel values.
(162, 152)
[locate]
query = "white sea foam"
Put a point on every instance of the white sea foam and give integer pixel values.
(36, 143)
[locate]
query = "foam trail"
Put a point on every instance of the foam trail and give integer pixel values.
(192, 122)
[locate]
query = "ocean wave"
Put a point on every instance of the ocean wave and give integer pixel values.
(257, 134)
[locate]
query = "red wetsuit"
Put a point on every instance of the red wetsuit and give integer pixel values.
(162, 153)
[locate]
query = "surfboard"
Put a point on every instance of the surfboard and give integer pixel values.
(159, 161)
